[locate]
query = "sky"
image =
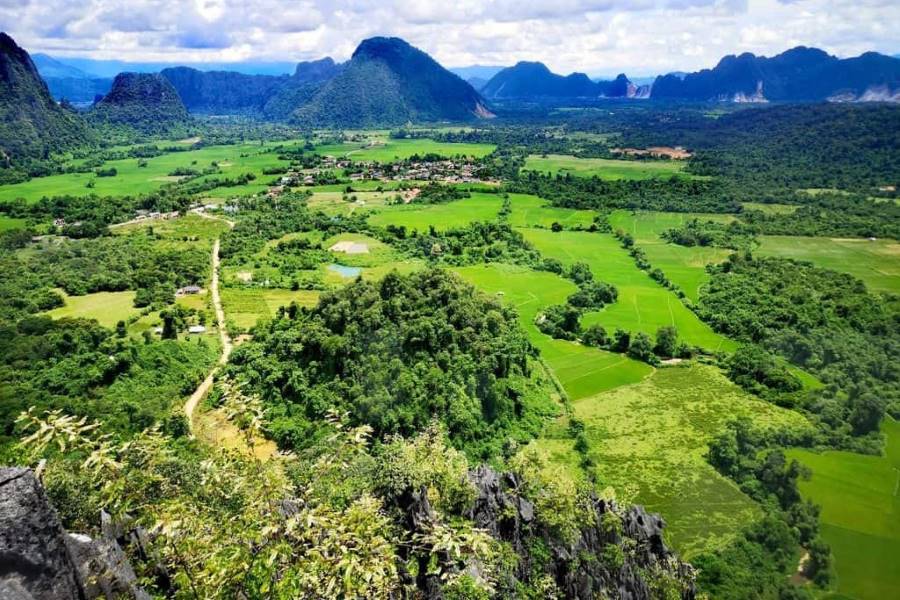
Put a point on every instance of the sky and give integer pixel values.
(599, 37)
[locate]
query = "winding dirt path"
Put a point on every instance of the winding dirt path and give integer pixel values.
(191, 405)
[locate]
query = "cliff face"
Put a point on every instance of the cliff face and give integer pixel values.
(40, 561)
(619, 553)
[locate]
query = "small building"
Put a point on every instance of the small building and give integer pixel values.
(196, 329)
(188, 290)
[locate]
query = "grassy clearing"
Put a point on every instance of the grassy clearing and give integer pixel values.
(245, 306)
(384, 149)
(7, 223)
(333, 203)
(686, 267)
(860, 499)
(108, 308)
(582, 371)
(604, 168)
(649, 441)
(770, 209)
(480, 207)
(531, 211)
(132, 180)
(643, 304)
(189, 229)
(877, 262)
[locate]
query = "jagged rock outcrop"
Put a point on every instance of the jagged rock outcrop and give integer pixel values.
(146, 102)
(581, 568)
(40, 561)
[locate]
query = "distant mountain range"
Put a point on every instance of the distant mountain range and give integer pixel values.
(32, 125)
(534, 81)
(798, 75)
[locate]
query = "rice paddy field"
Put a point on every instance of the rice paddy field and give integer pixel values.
(245, 306)
(685, 267)
(581, 371)
(108, 308)
(649, 439)
(7, 223)
(860, 520)
(531, 211)
(459, 213)
(383, 149)
(643, 304)
(876, 262)
(604, 168)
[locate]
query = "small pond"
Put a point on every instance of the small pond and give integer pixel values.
(344, 271)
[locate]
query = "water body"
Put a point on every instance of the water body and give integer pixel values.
(345, 271)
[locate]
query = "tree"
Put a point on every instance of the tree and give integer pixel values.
(169, 331)
(120, 329)
(666, 341)
(865, 413)
(580, 272)
(595, 335)
(556, 227)
(641, 347)
(818, 566)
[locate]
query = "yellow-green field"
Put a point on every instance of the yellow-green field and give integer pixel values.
(459, 213)
(643, 304)
(108, 308)
(604, 168)
(876, 262)
(649, 439)
(7, 223)
(860, 520)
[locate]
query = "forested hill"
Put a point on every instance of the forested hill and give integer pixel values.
(387, 81)
(800, 74)
(222, 91)
(534, 81)
(145, 102)
(32, 125)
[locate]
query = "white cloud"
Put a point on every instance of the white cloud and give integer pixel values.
(596, 36)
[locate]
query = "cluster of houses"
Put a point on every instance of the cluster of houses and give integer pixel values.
(447, 171)
(141, 215)
(673, 153)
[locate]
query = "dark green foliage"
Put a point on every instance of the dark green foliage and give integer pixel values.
(666, 342)
(595, 335)
(820, 320)
(86, 370)
(593, 295)
(676, 194)
(32, 125)
(733, 235)
(435, 193)
(223, 92)
(641, 347)
(144, 102)
(478, 243)
(560, 321)
(829, 215)
(757, 371)
(397, 354)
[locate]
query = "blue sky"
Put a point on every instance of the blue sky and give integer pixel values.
(596, 36)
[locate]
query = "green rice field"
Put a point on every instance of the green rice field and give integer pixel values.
(531, 211)
(685, 267)
(643, 304)
(876, 262)
(459, 213)
(604, 168)
(7, 223)
(581, 371)
(860, 520)
(245, 306)
(384, 149)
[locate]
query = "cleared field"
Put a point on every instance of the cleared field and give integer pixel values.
(686, 267)
(189, 228)
(582, 371)
(771, 209)
(648, 441)
(7, 223)
(643, 304)
(860, 520)
(333, 203)
(108, 308)
(479, 207)
(531, 211)
(132, 179)
(245, 306)
(877, 262)
(384, 149)
(604, 168)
